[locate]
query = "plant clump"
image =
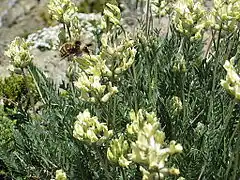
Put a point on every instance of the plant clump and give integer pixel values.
(147, 147)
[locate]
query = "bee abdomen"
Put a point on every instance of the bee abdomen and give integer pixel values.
(66, 49)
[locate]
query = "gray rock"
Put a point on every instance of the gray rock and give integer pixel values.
(18, 18)
(28, 5)
(49, 62)
(12, 15)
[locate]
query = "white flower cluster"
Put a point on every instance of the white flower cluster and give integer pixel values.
(88, 128)
(147, 147)
(18, 52)
(46, 38)
(231, 83)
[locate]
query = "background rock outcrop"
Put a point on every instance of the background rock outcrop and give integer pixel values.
(19, 18)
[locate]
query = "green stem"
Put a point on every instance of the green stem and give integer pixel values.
(236, 159)
(102, 161)
(123, 173)
(108, 25)
(69, 33)
(226, 121)
(183, 97)
(72, 77)
(135, 88)
(181, 45)
(124, 32)
(114, 112)
(147, 18)
(29, 94)
(36, 84)
(210, 114)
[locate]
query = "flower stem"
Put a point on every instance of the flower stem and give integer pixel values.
(29, 94)
(123, 173)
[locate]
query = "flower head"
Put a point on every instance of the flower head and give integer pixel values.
(117, 152)
(60, 175)
(232, 80)
(225, 15)
(89, 129)
(190, 18)
(111, 14)
(19, 53)
(147, 146)
(62, 10)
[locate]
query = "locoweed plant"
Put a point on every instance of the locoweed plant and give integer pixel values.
(137, 105)
(147, 147)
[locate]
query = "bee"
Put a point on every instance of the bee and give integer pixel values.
(75, 48)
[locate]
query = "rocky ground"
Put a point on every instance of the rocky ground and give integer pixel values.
(19, 18)
(23, 17)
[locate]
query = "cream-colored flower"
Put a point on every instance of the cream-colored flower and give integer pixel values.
(18, 52)
(190, 18)
(117, 152)
(60, 175)
(111, 14)
(225, 15)
(147, 146)
(62, 10)
(89, 129)
(232, 81)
